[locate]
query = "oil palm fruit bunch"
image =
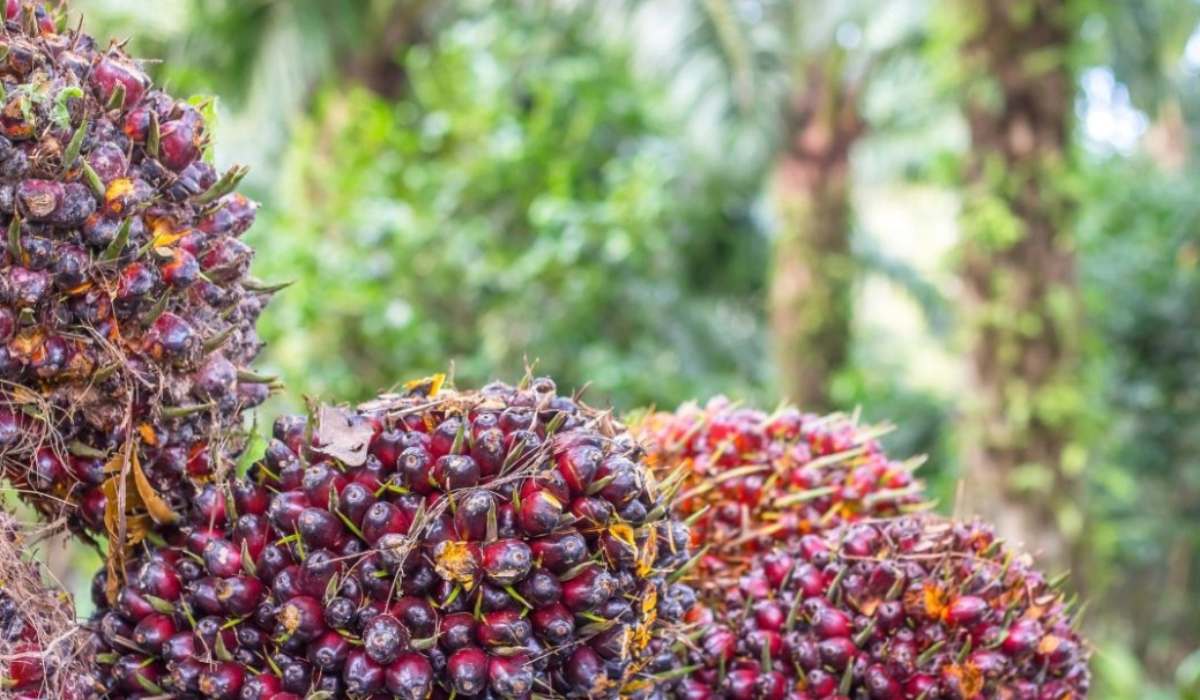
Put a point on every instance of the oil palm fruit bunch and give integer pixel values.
(126, 312)
(753, 479)
(903, 608)
(44, 655)
(499, 543)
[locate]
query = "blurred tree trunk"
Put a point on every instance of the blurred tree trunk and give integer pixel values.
(813, 272)
(1018, 271)
(379, 64)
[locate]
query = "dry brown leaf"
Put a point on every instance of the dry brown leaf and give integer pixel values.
(155, 505)
(338, 437)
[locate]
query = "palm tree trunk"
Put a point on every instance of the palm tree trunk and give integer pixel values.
(813, 272)
(1018, 272)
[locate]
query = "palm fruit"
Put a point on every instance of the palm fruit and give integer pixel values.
(44, 654)
(497, 543)
(904, 608)
(126, 312)
(752, 479)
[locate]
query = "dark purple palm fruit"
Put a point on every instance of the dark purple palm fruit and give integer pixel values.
(348, 561)
(127, 317)
(905, 608)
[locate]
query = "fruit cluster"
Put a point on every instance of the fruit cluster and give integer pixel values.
(42, 652)
(502, 543)
(911, 607)
(126, 312)
(752, 480)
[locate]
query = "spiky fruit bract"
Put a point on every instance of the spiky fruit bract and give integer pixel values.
(126, 313)
(438, 541)
(752, 479)
(903, 608)
(44, 655)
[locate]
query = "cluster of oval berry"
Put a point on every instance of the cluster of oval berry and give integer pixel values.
(906, 608)
(816, 584)
(752, 479)
(503, 543)
(126, 309)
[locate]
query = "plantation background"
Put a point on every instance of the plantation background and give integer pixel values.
(978, 219)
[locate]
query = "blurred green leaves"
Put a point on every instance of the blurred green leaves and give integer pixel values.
(521, 204)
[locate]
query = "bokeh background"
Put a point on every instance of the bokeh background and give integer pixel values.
(978, 219)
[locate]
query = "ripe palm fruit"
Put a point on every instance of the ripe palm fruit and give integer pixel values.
(904, 608)
(44, 655)
(455, 543)
(126, 312)
(751, 479)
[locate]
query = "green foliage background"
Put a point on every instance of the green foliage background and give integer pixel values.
(484, 186)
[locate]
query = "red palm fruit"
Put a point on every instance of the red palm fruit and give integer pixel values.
(467, 669)
(503, 628)
(329, 651)
(541, 588)
(202, 595)
(445, 437)
(355, 501)
(264, 686)
(458, 631)
(285, 509)
(585, 673)
(588, 589)
(250, 534)
(415, 465)
(180, 646)
(159, 579)
(506, 562)
(554, 623)
(320, 528)
(410, 677)
(340, 613)
(362, 675)
(476, 512)
(454, 471)
(222, 681)
(511, 676)
(385, 638)
(488, 450)
(559, 553)
(135, 674)
(133, 605)
(222, 558)
(578, 465)
(417, 615)
(153, 631)
(540, 513)
(208, 506)
(240, 595)
(317, 571)
(301, 617)
(321, 482)
(903, 609)
(592, 514)
(384, 518)
(761, 479)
